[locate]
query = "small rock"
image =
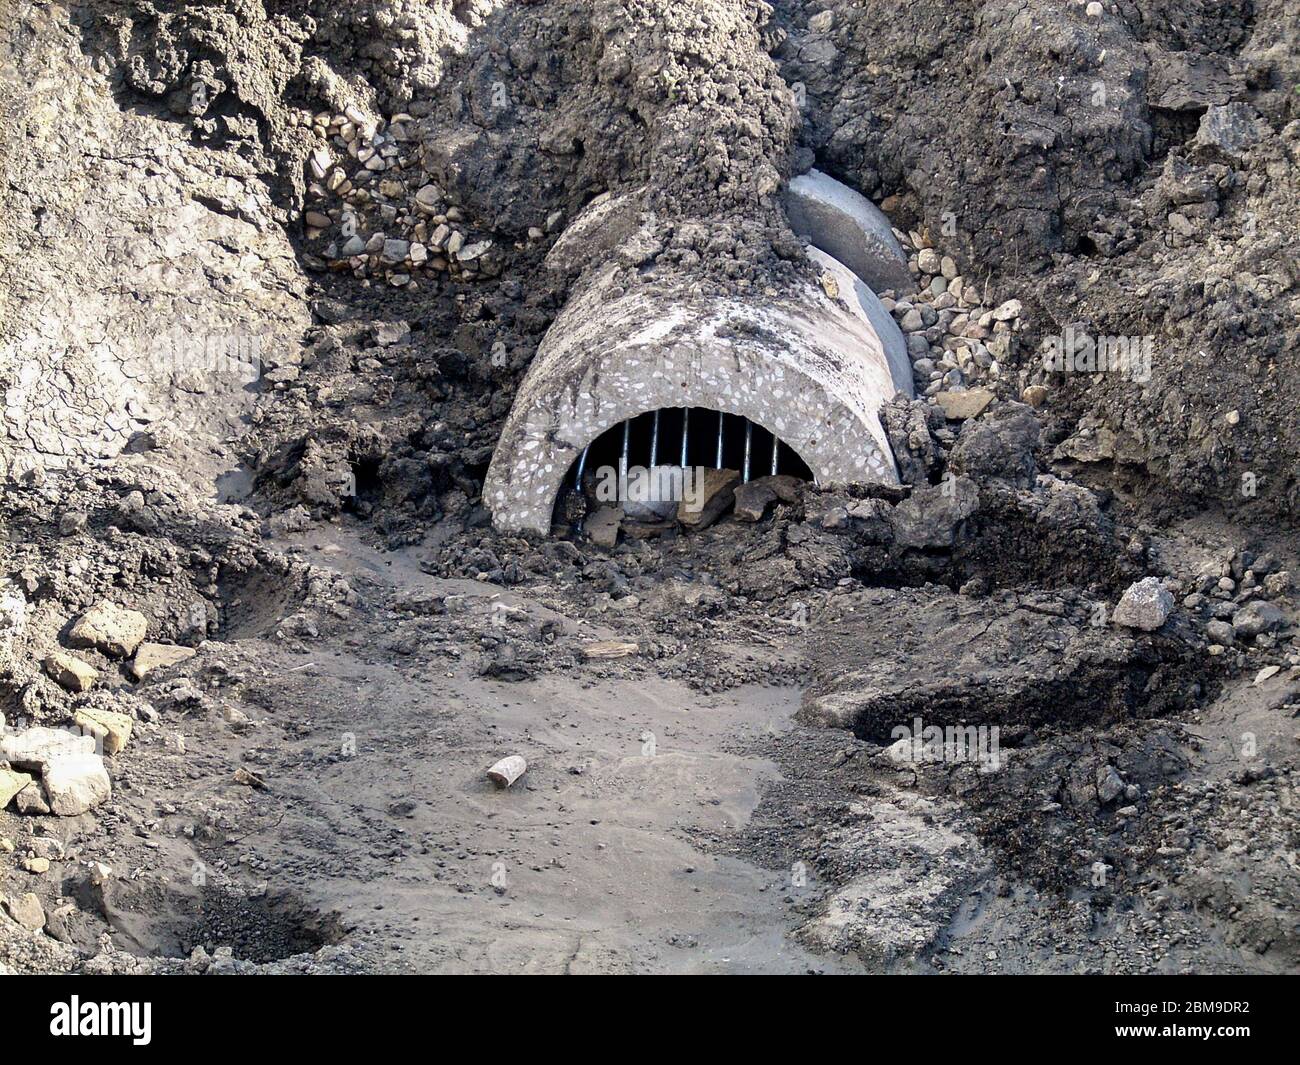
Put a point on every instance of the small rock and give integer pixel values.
(110, 728)
(1265, 673)
(38, 866)
(12, 783)
(1007, 311)
(1221, 632)
(970, 403)
(72, 673)
(716, 489)
(71, 522)
(602, 526)
(31, 801)
(1035, 395)
(1110, 785)
(1146, 605)
(822, 22)
(1230, 130)
(151, 656)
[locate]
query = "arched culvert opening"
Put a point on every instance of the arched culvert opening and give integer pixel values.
(648, 465)
(807, 363)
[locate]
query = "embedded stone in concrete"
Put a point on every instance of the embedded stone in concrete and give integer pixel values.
(847, 225)
(809, 368)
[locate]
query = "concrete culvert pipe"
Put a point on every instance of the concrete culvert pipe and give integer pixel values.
(808, 365)
(845, 224)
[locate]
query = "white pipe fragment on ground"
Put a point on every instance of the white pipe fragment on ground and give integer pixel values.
(507, 771)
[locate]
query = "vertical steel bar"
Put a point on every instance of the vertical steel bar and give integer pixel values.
(776, 453)
(686, 432)
(749, 442)
(622, 461)
(654, 442)
(721, 416)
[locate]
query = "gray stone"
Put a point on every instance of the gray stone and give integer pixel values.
(753, 499)
(1146, 605)
(930, 515)
(1110, 785)
(1230, 130)
(1221, 632)
(1001, 445)
(602, 526)
(1258, 617)
(716, 492)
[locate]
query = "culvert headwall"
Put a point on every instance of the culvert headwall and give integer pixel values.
(807, 363)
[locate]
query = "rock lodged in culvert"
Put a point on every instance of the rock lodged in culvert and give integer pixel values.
(806, 362)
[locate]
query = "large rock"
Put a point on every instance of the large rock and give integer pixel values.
(74, 783)
(70, 672)
(1256, 617)
(1230, 130)
(112, 729)
(1146, 605)
(151, 656)
(845, 224)
(11, 783)
(716, 492)
(112, 629)
(930, 515)
(27, 911)
(999, 445)
(34, 748)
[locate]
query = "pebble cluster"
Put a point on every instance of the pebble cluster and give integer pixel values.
(374, 211)
(955, 340)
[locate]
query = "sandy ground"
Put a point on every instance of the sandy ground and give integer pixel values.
(587, 864)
